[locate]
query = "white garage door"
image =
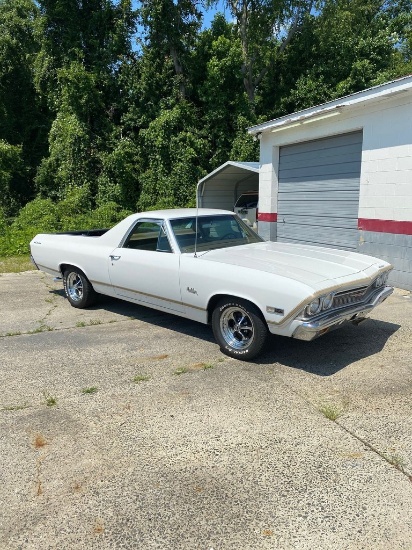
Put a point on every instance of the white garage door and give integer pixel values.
(318, 197)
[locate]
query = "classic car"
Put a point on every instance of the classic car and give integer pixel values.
(209, 266)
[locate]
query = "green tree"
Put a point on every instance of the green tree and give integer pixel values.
(11, 167)
(171, 27)
(23, 121)
(221, 94)
(265, 29)
(347, 47)
(175, 152)
(83, 44)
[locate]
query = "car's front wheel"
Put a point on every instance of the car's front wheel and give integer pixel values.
(239, 328)
(78, 288)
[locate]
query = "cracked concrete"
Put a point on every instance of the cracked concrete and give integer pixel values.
(226, 455)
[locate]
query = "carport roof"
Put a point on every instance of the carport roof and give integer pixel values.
(377, 93)
(231, 170)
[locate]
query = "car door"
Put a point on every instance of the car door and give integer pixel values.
(144, 267)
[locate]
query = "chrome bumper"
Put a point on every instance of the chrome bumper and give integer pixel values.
(309, 330)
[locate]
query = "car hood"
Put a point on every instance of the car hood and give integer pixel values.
(308, 264)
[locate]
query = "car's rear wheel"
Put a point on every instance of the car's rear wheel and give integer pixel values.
(239, 328)
(78, 288)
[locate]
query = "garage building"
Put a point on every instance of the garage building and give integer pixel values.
(340, 175)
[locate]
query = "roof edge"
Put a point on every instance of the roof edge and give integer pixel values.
(399, 85)
(237, 164)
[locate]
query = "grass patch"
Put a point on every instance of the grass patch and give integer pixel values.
(92, 389)
(141, 378)
(207, 366)
(15, 407)
(81, 324)
(41, 328)
(15, 264)
(50, 400)
(17, 333)
(181, 370)
(331, 412)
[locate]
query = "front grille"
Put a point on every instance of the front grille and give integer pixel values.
(349, 297)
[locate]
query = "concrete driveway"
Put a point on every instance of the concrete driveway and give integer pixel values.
(121, 427)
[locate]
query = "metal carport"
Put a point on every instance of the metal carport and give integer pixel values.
(222, 187)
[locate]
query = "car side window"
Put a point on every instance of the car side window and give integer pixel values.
(148, 235)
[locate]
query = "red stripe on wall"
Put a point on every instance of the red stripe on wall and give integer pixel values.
(385, 226)
(267, 217)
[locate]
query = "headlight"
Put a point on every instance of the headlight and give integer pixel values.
(314, 307)
(327, 301)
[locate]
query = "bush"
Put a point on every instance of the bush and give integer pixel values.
(44, 216)
(38, 216)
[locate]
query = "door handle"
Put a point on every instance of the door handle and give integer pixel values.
(114, 258)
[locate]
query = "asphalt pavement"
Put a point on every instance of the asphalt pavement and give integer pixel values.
(123, 427)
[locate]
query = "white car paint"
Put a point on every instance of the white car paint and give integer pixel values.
(280, 279)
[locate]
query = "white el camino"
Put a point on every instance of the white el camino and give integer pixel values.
(209, 266)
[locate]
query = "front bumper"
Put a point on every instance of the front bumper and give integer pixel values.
(309, 330)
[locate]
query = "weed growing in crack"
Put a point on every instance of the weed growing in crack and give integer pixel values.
(15, 407)
(50, 400)
(41, 328)
(181, 370)
(207, 366)
(141, 378)
(331, 412)
(92, 389)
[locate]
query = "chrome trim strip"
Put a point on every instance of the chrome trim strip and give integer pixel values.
(148, 295)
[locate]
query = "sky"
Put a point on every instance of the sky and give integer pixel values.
(208, 14)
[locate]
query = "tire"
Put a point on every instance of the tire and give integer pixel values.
(78, 288)
(239, 328)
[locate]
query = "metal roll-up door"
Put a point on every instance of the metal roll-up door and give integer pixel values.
(318, 198)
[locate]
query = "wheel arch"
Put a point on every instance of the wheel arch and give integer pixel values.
(213, 300)
(67, 265)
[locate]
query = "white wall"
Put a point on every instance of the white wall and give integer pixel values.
(386, 171)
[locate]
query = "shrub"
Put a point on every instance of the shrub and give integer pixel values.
(44, 216)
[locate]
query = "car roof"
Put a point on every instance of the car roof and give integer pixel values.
(174, 213)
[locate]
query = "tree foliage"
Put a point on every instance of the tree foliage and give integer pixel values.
(106, 108)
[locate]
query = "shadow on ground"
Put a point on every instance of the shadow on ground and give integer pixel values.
(323, 357)
(332, 352)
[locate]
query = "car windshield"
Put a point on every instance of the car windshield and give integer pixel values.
(213, 232)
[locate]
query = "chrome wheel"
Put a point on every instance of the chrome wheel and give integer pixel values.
(237, 327)
(74, 286)
(78, 288)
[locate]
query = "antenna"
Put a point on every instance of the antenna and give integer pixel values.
(197, 215)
